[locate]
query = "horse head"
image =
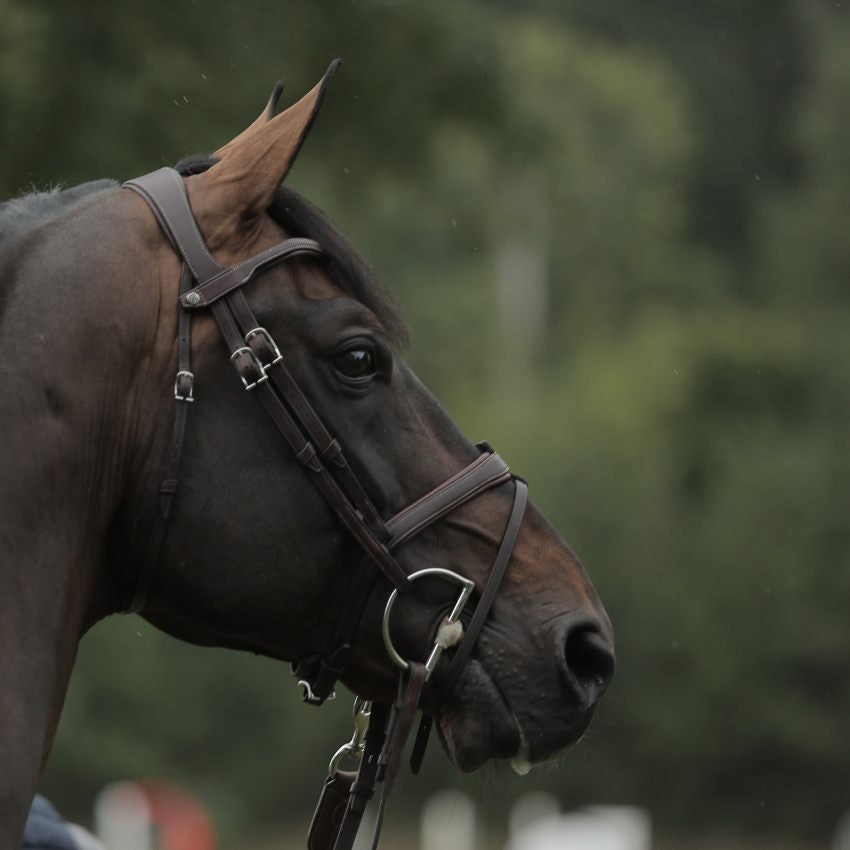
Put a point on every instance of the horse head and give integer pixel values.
(248, 551)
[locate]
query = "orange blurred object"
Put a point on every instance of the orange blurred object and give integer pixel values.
(180, 821)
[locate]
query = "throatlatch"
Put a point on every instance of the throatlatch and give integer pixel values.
(380, 730)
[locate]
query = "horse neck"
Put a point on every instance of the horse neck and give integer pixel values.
(67, 434)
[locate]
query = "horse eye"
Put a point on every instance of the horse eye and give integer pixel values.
(355, 363)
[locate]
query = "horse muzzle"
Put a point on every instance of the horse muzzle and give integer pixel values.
(529, 708)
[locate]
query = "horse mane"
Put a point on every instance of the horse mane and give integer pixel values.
(291, 210)
(19, 215)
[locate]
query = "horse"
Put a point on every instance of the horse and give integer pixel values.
(374, 545)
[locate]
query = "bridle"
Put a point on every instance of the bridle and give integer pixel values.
(380, 730)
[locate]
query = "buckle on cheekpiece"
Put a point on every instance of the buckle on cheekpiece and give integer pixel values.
(249, 367)
(184, 386)
(264, 347)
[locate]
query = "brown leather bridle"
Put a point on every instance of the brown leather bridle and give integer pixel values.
(205, 284)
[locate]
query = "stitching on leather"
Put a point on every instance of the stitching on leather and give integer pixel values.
(428, 497)
(167, 219)
(460, 499)
(256, 264)
(191, 216)
(257, 259)
(152, 200)
(184, 202)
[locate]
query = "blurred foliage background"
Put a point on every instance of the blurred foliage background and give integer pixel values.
(634, 217)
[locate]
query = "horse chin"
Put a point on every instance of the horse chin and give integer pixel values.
(475, 724)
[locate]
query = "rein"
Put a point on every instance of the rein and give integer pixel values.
(380, 730)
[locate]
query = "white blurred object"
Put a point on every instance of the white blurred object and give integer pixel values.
(532, 808)
(594, 828)
(448, 822)
(841, 839)
(122, 817)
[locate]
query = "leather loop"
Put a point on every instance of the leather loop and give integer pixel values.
(333, 453)
(306, 455)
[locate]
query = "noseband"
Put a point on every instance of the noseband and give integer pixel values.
(380, 730)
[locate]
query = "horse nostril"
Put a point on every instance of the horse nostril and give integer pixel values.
(590, 660)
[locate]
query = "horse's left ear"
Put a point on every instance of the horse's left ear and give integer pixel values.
(252, 166)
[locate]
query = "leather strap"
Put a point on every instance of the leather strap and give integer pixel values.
(486, 471)
(363, 788)
(407, 704)
(183, 396)
(443, 684)
(165, 193)
(326, 823)
(213, 288)
(380, 762)
(328, 448)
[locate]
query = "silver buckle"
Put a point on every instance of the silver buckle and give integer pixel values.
(190, 378)
(245, 351)
(466, 589)
(269, 341)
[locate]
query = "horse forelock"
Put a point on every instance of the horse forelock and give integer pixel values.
(347, 267)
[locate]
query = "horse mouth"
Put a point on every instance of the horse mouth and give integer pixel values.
(476, 724)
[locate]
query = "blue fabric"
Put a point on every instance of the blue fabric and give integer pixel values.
(46, 829)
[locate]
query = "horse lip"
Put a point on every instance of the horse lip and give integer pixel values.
(504, 742)
(509, 741)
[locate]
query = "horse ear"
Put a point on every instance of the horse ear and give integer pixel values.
(252, 166)
(266, 115)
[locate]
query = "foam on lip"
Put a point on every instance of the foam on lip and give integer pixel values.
(521, 763)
